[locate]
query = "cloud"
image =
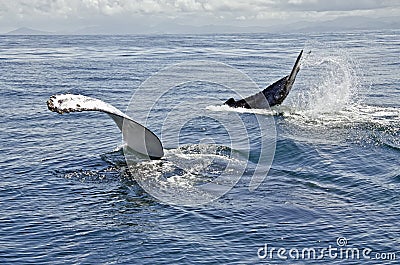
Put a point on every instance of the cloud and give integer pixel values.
(56, 13)
(340, 5)
(115, 7)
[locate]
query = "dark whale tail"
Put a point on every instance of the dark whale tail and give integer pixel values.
(295, 70)
(272, 95)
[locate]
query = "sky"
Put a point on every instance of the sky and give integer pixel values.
(137, 15)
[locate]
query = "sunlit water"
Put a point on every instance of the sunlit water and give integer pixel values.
(67, 195)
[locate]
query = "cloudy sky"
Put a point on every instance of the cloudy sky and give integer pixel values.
(132, 15)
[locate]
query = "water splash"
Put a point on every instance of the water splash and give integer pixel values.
(326, 102)
(328, 82)
(190, 174)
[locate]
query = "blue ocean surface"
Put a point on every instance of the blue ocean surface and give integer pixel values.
(331, 195)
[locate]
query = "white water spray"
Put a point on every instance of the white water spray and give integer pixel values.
(328, 83)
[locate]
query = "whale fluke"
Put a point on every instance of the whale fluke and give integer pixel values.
(135, 135)
(273, 95)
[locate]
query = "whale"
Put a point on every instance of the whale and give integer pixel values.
(141, 139)
(136, 136)
(273, 95)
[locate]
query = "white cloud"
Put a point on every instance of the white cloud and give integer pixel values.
(56, 13)
(115, 7)
(300, 2)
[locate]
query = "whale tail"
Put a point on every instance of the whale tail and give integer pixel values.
(135, 135)
(293, 73)
(272, 95)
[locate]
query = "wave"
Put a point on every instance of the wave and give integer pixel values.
(353, 115)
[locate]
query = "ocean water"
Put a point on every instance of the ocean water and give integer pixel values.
(68, 196)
